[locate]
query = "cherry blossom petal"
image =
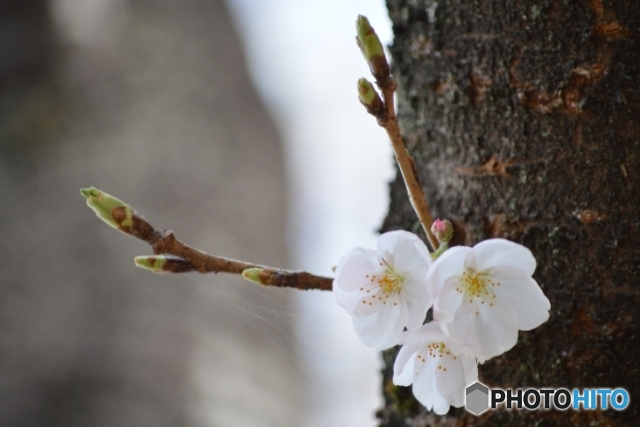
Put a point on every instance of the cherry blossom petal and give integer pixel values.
(418, 297)
(495, 329)
(450, 381)
(470, 369)
(403, 373)
(449, 264)
(346, 300)
(417, 314)
(404, 250)
(524, 294)
(374, 301)
(500, 252)
(353, 269)
(440, 405)
(406, 353)
(349, 299)
(449, 301)
(425, 387)
(431, 332)
(461, 328)
(382, 329)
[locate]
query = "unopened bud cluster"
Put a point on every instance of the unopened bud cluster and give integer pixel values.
(373, 52)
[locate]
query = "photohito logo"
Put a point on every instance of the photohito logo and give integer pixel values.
(480, 398)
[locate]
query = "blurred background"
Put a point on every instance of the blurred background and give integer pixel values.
(236, 124)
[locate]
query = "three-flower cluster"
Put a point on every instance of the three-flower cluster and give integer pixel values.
(480, 297)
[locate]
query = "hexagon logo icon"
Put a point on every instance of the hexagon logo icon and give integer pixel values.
(477, 398)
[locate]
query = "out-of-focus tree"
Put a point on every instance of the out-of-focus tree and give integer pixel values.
(156, 105)
(27, 93)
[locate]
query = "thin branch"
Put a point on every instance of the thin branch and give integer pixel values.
(185, 258)
(406, 164)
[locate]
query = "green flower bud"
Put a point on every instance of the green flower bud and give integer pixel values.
(164, 264)
(366, 92)
(253, 275)
(370, 98)
(153, 263)
(368, 40)
(371, 48)
(111, 210)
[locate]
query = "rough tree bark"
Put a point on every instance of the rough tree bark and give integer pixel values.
(524, 120)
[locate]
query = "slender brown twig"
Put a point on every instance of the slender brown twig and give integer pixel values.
(405, 162)
(384, 112)
(185, 258)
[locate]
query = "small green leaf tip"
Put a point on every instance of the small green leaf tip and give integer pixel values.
(252, 275)
(105, 205)
(368, 39)
(154, 263)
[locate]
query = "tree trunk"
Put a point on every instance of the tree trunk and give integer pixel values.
(524, 120)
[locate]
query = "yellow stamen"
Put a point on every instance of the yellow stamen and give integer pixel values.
(475, 284)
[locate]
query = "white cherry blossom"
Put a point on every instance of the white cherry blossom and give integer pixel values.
(436, 366)
(485, 294)
(385, 291)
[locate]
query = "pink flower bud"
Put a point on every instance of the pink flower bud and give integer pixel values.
(443, 230)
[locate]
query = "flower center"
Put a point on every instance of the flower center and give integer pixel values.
(477, 285)
(390, 281)
(436, 350)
